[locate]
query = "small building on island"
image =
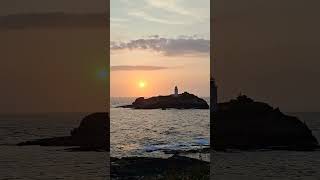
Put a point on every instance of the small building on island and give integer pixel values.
(176, 91)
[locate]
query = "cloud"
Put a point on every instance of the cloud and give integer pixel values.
(183, 45)
(154, 36)
(168, 5)
(118, 19)
(137, 68)
(53, 20)
(173, 6)
(151, 18)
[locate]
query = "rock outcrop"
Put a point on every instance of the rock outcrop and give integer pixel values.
(246, 124)
(92, 134)
(175, 167)
(181, 101)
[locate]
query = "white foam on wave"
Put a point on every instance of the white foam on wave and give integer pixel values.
(202, 141)
(195, 144)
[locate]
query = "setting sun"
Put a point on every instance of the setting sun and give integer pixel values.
(142, 84)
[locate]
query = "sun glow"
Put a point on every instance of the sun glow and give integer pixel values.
(142, 84)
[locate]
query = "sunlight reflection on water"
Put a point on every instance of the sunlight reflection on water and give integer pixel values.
(148, 132)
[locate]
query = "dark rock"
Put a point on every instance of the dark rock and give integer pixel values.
(175, 167)
(182, 101)
(92, 134)
(202, 150)
(245, 124)
(93, 130)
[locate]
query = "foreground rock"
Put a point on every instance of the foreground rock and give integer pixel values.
(175, 167)
(92, 134)
(182, 101)
(191, 151)
(246, 124)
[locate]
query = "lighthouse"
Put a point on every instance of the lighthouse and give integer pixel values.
(176, 92)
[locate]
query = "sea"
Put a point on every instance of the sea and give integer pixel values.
(147, 136)
(45, 163)
(152, 132)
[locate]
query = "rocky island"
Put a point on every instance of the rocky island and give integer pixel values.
(243, 123)
(175, 101)
(92, 134)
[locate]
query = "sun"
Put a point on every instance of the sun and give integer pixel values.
(142, 84)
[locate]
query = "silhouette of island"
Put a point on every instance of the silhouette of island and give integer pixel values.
(92, 134)
(174, 101)
(243, 123)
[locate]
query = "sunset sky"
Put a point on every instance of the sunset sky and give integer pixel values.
(156, 45)
(53, 62)
(263, 48)
(269, 50)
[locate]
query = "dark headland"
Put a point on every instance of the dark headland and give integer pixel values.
(92, 134)
(243, 123)
(179, 101)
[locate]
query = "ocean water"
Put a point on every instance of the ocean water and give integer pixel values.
(273, 165)
(151, 132)
(35, 162)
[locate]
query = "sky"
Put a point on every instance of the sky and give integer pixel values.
(268, 50)
(53, 56)
(45, 6)
(156, 45)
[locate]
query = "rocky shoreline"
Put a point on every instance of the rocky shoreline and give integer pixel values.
(174, 167)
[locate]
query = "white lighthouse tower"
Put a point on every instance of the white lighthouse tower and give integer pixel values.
(176, 92)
